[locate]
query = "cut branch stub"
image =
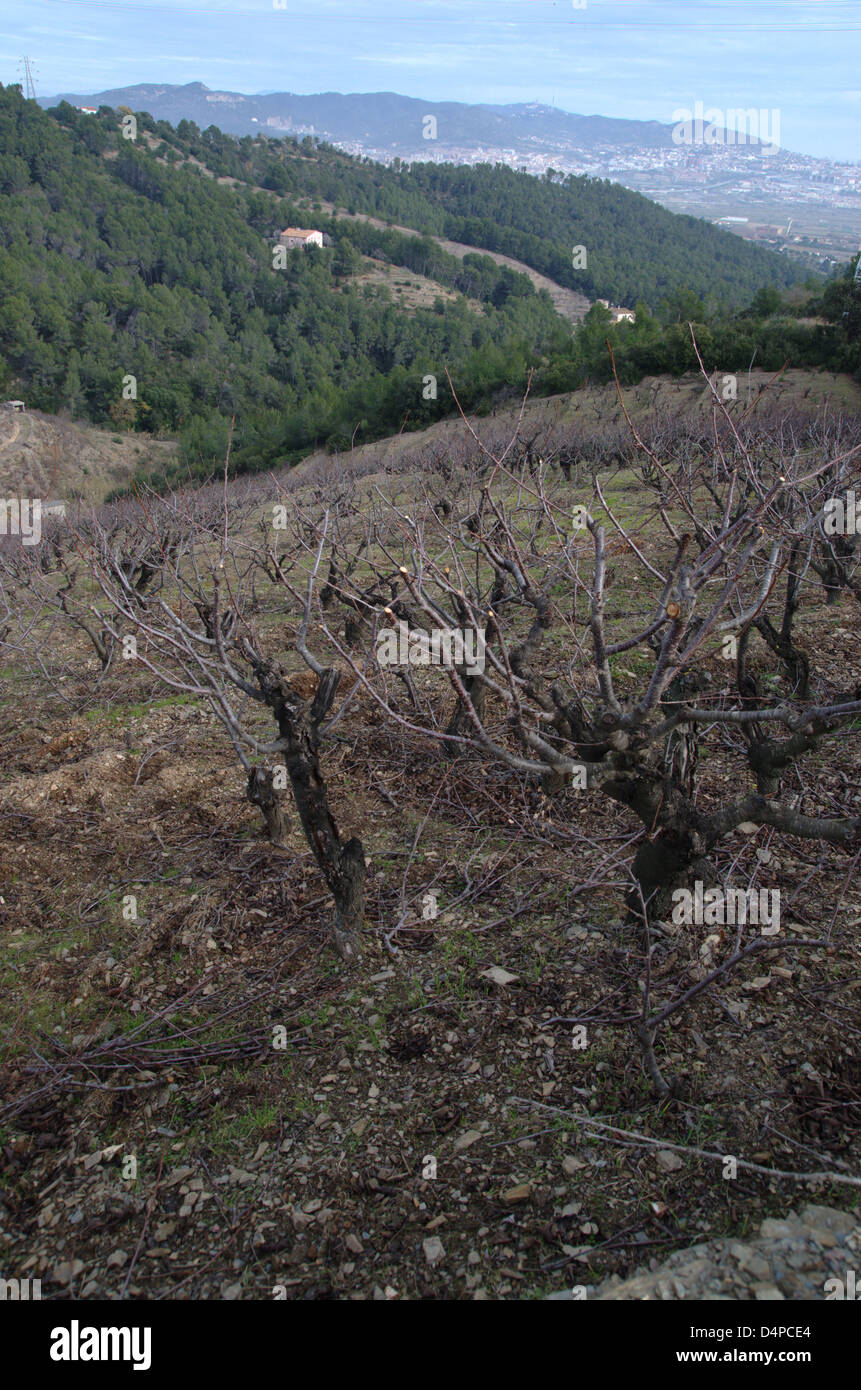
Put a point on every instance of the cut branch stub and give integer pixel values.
(261, 791)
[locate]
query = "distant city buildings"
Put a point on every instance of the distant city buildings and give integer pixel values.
(286, 123)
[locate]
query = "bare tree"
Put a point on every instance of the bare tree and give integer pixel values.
(194, 633)
(722, 549)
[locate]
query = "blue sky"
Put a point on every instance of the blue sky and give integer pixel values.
(634, 58)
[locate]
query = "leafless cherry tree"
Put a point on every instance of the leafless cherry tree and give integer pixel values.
(595, 680)
(192, 629)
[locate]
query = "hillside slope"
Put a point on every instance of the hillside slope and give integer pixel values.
(50, 456)
(636, 249)
(568, 303)
(139, 286)
(594, 408)
(148, 296)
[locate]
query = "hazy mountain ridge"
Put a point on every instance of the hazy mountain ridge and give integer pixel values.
(380, 119)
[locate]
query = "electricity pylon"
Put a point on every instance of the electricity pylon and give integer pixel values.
(29, 85)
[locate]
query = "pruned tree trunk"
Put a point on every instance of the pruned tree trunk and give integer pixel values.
(673, 857)
(342, 865)
(460, 722)
(103, 642)
(674, 854)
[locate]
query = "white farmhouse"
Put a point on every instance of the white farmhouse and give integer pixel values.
(298, 236)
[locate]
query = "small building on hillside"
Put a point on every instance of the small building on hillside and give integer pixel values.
(299, 236)
(618, 314)
(88, 110)
(15, 405)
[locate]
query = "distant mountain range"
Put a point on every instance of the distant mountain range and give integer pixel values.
(382, 121)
